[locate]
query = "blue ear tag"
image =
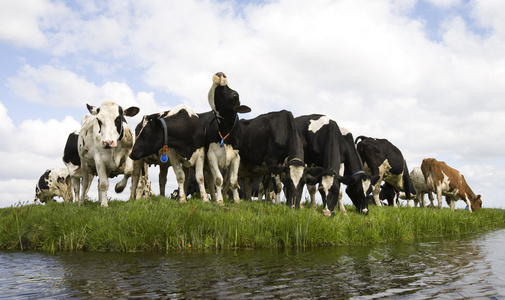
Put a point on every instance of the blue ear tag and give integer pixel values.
(164, 158)
(222, 142)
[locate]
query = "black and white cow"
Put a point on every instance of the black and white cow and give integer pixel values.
(54, 183)
(223, 136)
(72, 160)
(271, 145)
(181, 137)
(329, 147)
(382, 158)
(104, 145)
(154, 159)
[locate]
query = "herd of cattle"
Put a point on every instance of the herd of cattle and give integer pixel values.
(281, 152)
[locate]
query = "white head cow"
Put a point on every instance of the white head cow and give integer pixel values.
(105, 143)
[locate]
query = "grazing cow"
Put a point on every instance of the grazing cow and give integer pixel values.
(154, 159)
(104, 145)
(271, 144)
(223, 136)
(382, 158)
(419, 182)
(181, 137)
(329, 147)
(54, 183)
(444, 180)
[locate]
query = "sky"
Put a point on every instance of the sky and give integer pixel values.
(428, 75)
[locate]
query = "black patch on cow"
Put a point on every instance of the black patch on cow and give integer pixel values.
(71, 152)
(44, 180)
(61, 179)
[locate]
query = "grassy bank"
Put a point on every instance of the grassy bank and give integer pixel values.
(162, 225)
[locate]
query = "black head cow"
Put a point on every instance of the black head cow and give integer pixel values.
(223, 136)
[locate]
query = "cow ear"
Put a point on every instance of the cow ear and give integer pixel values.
(131, 111)
(315, 171)
(277, 169)
(93, 110)
(242, 109)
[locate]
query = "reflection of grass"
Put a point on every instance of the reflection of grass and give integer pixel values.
(160, 225)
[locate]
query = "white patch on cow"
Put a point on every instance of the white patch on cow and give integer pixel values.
(344, 131)
(366, 185)
(326, 183)
(296, 173)
(216, 80)
(315, 125)
(180, 107)
(224, 157)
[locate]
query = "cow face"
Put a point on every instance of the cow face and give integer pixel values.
(476, 203)
(149, 138)
(108, 129)
(223, 100)
(294, 180)
(359, 189)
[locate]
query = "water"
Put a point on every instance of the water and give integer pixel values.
(471, 267)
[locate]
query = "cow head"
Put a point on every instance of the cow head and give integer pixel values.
(223, 100)
(149, 138)
(359, 189)
(110, 121)
(293, 179)
(476, 202)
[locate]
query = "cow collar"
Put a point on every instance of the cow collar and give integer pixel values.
(359, 172)
(219, 131)
(164, 150)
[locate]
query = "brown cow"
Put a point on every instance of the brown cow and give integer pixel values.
(444, 180)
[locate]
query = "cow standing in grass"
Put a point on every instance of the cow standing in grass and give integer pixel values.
(180, 136)
(223, 136)
(104, 145)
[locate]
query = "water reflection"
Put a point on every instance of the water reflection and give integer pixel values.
(471, 267)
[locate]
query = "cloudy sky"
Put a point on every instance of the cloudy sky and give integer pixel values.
(428, 75)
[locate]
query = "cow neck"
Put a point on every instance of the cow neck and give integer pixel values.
(164, 150)
(224, 129)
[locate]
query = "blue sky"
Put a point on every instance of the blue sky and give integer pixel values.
(427, 75)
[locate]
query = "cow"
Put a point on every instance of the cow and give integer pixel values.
(181, 137)
(104, 145)
(272, 145)
(154, 159)
(444, 180)
(328, 146)
(54, 183)
(419, 182)
(382, 158)
(223, 136)
(72, 161)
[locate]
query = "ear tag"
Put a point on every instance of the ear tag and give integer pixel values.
(164, 157)
(222, 142)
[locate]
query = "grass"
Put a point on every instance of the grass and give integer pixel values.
(161, 225)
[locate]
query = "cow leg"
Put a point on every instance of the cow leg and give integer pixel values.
(439, 197)
(179, 173)
(103, 182)
(137, 169)
(233, 173)
(76, 186)
(311, 188)
(278, 188)
(248, 188)
(376, 192)
(200, 178)
(162, 178)
(128, 171)
(86, 182)
(217, 178)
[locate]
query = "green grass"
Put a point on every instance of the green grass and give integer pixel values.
(162, 225)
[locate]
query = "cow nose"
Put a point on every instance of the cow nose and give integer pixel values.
(108, 144)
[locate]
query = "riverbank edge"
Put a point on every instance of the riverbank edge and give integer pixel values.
(158, 224)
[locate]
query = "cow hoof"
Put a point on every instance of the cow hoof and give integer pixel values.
(220, 202)
(182, 200)
(119, 187)
(327, 212)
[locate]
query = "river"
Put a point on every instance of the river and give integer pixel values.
(469, 267)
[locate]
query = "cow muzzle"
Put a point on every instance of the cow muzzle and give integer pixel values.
(108, 144)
